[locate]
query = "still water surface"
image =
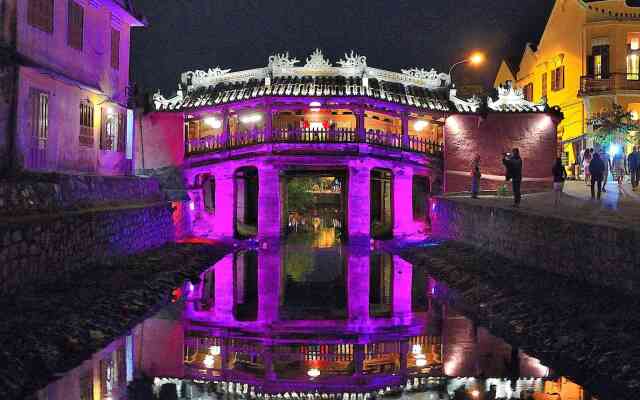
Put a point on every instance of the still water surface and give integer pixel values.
(316, 319)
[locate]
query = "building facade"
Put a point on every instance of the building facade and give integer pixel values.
(65, 86)
(587, 60)
(383, 141)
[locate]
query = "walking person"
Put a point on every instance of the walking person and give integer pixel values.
(475, 177)
(513, 163)
(586, 160)
(559, 176)
(633, 163)
(619, 168)
(606, 159)
(596, 169)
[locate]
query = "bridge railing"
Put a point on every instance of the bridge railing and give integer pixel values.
(214, 143)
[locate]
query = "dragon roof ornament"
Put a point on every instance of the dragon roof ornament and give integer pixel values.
(282, 61)
(317, 60)
(316, 65)
(353, 60)
(510, 98)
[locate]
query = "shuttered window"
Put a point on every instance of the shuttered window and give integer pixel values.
(115, 48)
(40, 14)
(544, 84)
(557, 79)
(86, 124)
(527, 92)
(75, 25)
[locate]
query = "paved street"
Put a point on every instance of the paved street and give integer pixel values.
(619, 206)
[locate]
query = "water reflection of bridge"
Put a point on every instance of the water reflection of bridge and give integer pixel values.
(336, 320)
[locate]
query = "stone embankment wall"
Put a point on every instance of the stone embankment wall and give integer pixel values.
(598, 254)
(59, 226)
(40, 193)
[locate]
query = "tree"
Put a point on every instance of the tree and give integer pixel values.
(612, 124)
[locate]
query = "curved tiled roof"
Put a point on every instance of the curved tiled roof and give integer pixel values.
(416, 88)
(325, 86)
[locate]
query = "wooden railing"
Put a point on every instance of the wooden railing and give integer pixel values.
(238, 140)
(617, 81)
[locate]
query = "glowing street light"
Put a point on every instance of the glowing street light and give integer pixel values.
(475, 59)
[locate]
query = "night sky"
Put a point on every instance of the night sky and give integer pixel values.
(393, 34)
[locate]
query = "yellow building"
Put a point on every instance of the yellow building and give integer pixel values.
(587, 59)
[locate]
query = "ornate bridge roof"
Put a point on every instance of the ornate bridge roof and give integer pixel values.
(318, 77)
(421, 89)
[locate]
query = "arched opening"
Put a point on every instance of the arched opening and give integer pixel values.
(381, 205)
(381, 285)
(209, 194)
(315, 207)
(420, 196)
(245, 286)
(246, 202)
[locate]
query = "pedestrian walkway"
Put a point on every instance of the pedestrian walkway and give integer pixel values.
(619, 206)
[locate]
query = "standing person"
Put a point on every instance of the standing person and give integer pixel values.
(559, 176)
(475, 177)
(513, 163)
(633, 163)
(586, 160)
(606, 159)
(619, 168)
(596, 169)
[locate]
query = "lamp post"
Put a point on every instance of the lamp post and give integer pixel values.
(476, 58)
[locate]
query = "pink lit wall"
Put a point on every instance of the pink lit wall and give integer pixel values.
(467, 135)
(159, 139)
(219, 223)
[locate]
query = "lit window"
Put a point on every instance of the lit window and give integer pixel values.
(40, 14)
(112, 132)
(86, 123)
(107, 378)
(40, 125)
(633, 67)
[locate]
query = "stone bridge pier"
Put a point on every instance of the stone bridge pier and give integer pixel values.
(247, 198)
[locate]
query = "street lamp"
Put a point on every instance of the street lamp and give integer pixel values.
(475, 58)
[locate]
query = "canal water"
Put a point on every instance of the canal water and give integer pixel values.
(314, 319)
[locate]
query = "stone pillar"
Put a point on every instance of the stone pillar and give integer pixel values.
(402, 278)
(269, 267)
(224, 213)
(360, 125)
(403, 203)
(358, 266)
(359, 202)
(269, 207)
(226, 135)
(405, 130)
(223, 306)
(268, 123)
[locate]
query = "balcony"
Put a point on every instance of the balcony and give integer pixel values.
(590, 86)
(392, 141)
